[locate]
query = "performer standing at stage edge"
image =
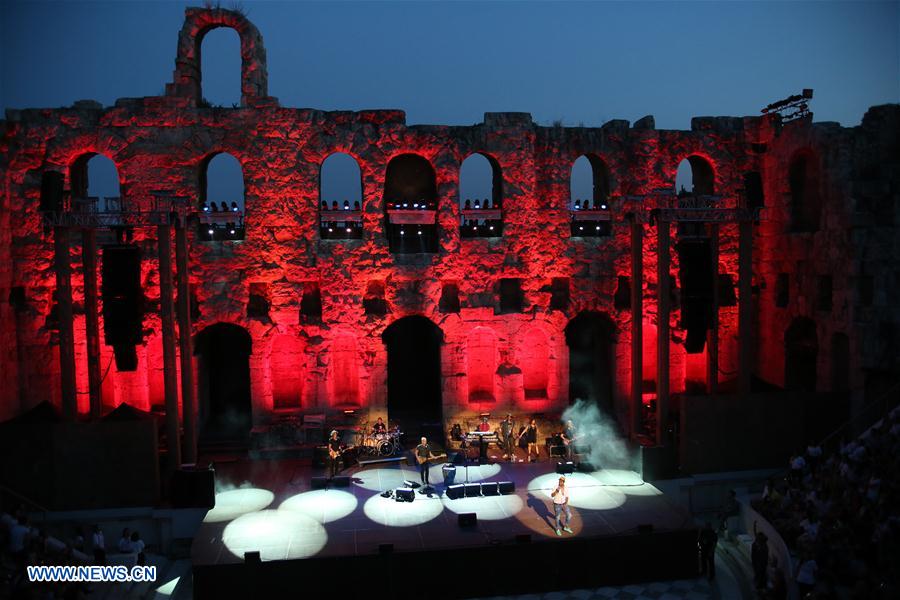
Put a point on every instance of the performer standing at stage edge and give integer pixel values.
(560, 504)
(423, 454)
(334, 452)
(507, 438)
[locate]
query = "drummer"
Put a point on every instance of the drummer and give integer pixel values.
(379, 428)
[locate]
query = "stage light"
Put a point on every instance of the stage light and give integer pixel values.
(581, 228)
(325, 506)
(402, 232)
(330, 230)
(276, 534)
(419, 232)
(603, 207)
(234, 207)
(598, 228)
(210, 231)
(415, 205)
(488, 508)
(205, 207)
(168, 587)
(234, 503)
(231, 232)
(389, 512)
(584, 490)
(348, 230)
(491, 227)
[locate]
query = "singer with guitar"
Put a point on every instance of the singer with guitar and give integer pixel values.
(423, 456)
(569, 436)
(334, 452)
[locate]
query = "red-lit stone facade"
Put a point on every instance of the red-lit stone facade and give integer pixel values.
(488, 359)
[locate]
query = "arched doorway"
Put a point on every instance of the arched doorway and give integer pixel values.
(414, 376)
(801, 349)
(590, 336)
(223, 382)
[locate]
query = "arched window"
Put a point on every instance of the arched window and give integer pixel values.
(480, 197)
(340, 198)
(803, 178)
(695, 176)
(221, 198)
(94, 183)
(410, 200)
(344, 370)
(219, 50)
(481, 355)
(589, 197)
(535, 364)
(286, 371)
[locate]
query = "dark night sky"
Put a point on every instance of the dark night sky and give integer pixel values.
(582, 63)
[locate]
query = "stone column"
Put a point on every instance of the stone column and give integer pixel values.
(91, 319)
(185, 345)
(745, 304)
(163, 236)
(64, 313)
(712, 338)
(637, 325)
(662, 338)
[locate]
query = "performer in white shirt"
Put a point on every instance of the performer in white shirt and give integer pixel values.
(561, 503)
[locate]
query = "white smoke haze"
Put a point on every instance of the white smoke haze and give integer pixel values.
(225, 486)
(598, 435)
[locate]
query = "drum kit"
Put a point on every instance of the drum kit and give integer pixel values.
(383, 443)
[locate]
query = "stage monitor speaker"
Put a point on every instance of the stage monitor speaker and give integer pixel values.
(467, 519)
(341, 481)
(404, 494)
(252, 557)
(645, 528)
(490, 488)
(52, 183)
(454, 492)
(523, 538)
(506, 487)
(385, 548)
(565, 467)
(557, 450)
(318, 483)
(473, 489)
(194, 488)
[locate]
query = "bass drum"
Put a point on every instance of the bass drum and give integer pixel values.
(386, 448)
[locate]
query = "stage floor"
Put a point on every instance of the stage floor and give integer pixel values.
(268, 506)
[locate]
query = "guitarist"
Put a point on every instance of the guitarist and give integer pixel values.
(334, 452)
(423, 455)
(569, 436)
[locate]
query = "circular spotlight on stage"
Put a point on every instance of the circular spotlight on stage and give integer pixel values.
(379, 480)
(276, 534)
(537, 515)
(234, 503)
(584, 491)
(387, 511)
(488, 508)
(621, 477)
(324, 506)
(476, 473)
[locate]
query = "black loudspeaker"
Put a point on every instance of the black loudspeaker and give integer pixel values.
(385, 548)
(473, 489)
(506, 487)
(645, 528)
(557, 450)
(318, 483)
(194, 488)
(467, 519)
(52, 183)
(404, 494)
(523, 538)
(490, 488)
(123, 299)
(565, 467)
(456, 491)
(126, 358)
(252, 557)
(341, 481)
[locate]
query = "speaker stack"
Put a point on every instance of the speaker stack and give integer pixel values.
(123, 300)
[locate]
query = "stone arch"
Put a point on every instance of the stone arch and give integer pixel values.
(409, 182)
(92, 175)
(481, 363)
(223, 380)
(702, 176)
(477, 162)
(340, 188)
(803, 181)
(801, 350)
(534, 360)
(197, 23)
(286, 371)
(589, 179)
(221, 207)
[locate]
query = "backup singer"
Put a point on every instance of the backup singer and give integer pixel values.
(507, 437)
(423, 454)
(334, 452)
(560, 504)
(528, 440)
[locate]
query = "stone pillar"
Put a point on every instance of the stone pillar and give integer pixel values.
(64, 313)
(712, 338)
(662, 339)
(185, 345)
(745, 304)
(163, 236)
(637, 325)
(91, 319)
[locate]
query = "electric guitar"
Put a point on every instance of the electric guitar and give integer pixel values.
(424, 459)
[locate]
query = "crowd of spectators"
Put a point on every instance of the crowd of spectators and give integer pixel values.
(838, 513)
